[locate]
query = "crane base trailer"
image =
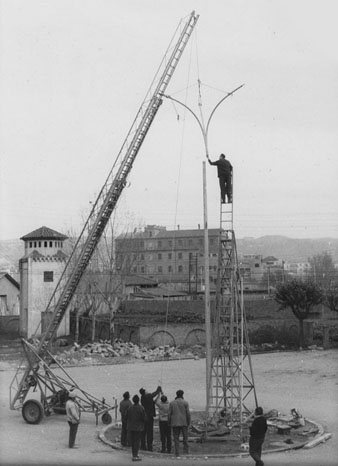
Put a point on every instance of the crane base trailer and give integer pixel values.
(45, 391)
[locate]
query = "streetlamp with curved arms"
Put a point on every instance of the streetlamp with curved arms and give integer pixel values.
(203, 128)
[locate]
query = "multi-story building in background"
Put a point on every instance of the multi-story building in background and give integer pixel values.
(251, 267)
(172, 257)
(299, 269)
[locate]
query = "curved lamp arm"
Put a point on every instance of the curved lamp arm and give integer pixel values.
(204, 130)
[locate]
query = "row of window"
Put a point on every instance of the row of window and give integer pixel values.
(170, 269)
(166, 244)
(45, 244)
(162, 256)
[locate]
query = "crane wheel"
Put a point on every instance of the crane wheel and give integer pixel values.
(32, 411)
(106, 418)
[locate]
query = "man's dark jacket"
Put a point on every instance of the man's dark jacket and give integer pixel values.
(258, 427)
(224, 167)
(147, 401)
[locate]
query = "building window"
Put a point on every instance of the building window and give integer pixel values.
(50, 244)
(159, 243)
(170, 243)
(30, 244)
(142, 269)
(39, 244)
(169, 255)
(179, 255)
(159, 256)
(160, 269)
(180, 242)
(180, 268)
(190, 242)
(170, 269)
(48, 276)
(35, 244)
(45, 244)
(135, 269)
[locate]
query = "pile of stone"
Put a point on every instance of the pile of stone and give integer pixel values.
(104, 349)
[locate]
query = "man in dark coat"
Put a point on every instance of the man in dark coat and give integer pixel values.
(124, 405)
(147, 401)
(224, 172)
(135, 425)
(179, 418)
(257, 434)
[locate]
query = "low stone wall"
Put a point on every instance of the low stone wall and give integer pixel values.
(144, 323)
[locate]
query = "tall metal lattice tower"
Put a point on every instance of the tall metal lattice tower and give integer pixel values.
(231, 373)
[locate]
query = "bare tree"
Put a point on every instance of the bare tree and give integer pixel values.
(323, 271)
(101, 290)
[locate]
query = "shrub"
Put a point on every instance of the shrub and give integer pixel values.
(268, 334)
(287, 337)
(264, 334)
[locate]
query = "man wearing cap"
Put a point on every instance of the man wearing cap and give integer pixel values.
(73, 417)
(147, 401)
(224, 172)
(179, 419)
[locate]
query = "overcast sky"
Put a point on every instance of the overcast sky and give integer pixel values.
(74, 73)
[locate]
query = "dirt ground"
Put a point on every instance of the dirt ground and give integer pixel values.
(304, 380)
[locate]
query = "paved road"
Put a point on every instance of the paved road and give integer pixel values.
(304, 380)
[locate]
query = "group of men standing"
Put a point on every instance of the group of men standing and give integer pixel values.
(138, 421)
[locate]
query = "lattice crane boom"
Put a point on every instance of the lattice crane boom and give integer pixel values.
(104, 204)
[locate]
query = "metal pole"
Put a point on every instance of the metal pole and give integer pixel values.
(207, 294)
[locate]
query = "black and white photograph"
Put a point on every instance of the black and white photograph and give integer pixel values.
(168, 232)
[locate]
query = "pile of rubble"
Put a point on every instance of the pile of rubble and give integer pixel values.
(106, 352)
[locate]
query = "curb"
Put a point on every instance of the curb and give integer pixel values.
(320, 434)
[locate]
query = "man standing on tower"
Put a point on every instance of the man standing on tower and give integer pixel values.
(224, 172)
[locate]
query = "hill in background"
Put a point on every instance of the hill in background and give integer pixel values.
(282, 247)
(288, 249)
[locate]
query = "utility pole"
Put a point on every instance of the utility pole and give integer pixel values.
(227, 346)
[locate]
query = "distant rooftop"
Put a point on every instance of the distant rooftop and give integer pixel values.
(44, 233)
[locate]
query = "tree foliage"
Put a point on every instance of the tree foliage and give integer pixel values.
(300, 296)
(331, 297)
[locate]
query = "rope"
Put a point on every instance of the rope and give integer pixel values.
(160, 381)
